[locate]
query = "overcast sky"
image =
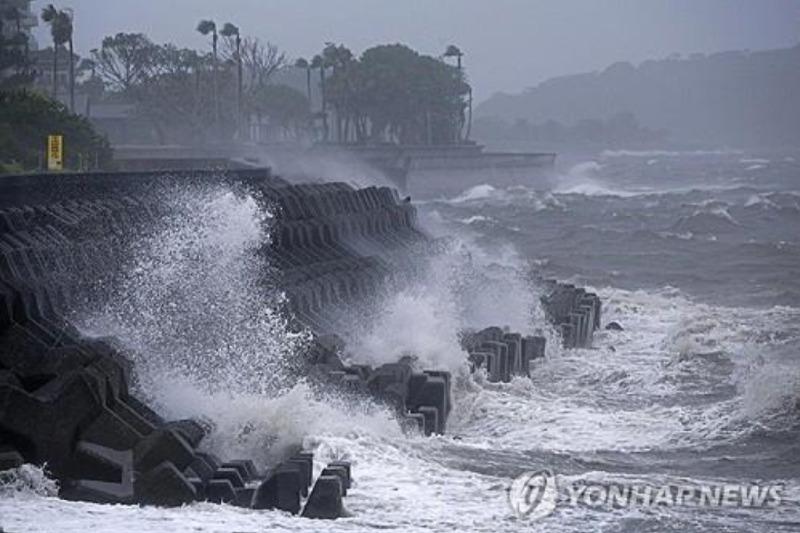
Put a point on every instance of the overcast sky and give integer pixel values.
(509, 44)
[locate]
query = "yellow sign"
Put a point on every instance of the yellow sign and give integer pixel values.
(55, 152)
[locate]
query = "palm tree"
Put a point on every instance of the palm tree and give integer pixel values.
(339, 59)
(229, 30)
(319, 62)
(205, 27)
(303, 63)
(69, 18)
(61, 32)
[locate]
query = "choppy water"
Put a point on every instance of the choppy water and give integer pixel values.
(697, 255)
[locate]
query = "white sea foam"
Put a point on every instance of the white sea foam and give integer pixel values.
(584, 179)
(478, 192)
(762, 201)
(26, 481)
(667, 153)
(192, 303)
(463, 287)
(475, 219)
(651, 393)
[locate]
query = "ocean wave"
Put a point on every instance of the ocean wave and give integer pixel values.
(478, 192)
(667, 153)
(706, 221)
(686, 236)
(708, 204)
(761, 200)
(537, 200)
(583, 179)
(475, 219)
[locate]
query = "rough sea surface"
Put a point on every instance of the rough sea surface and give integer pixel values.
(695, 254)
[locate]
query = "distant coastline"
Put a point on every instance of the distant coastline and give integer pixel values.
(736, 99)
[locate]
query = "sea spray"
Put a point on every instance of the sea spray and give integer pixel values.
(263, 428)
(459, 288)
(26, 481)
(195, 299)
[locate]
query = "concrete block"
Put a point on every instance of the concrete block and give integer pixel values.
(431, 415)
(499, 368)
(281, 490)
(347, 466)
(244, 497)
(513, 342)
(96, 462)
(230, 474)
(305, 462)
(164, 485)
(247, 468)
(193, 431)
(220, 491)
(163, 445)
(532, 348)
(10, 459)
(432, 393)
(341, 473)
(325, 501)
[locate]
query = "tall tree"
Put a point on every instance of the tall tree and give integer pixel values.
(15, 60)
(124, 60)
(285, 107)
(229, 31)
(340, 60)
(304, 64)
(393, 93)
(71, 26)
(61, 33)
(319, 62)
(206, 27)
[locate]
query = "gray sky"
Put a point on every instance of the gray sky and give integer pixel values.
(509, 44)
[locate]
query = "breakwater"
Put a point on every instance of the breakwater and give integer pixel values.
(69, 401)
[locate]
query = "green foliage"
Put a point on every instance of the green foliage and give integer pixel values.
(60, 24)
(229, 30)
(453, 51)
(27, 118)
(173, 88)
(124, 60)
(15, 63)
(394, 93)
(206, 26)
(285, 106)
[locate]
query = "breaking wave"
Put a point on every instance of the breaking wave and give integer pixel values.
(667, 153)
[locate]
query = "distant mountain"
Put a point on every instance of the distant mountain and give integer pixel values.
(729, 98)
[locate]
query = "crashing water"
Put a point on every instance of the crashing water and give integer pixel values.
(695, 254)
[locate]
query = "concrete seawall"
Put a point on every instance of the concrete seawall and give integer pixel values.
(67, 400)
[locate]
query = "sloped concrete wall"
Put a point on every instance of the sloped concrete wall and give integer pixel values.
(65, 399)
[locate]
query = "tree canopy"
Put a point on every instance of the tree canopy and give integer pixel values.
(393, 93)
(27, 118)
(171, 86)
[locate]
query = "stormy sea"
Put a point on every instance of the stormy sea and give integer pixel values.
(695, 254)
